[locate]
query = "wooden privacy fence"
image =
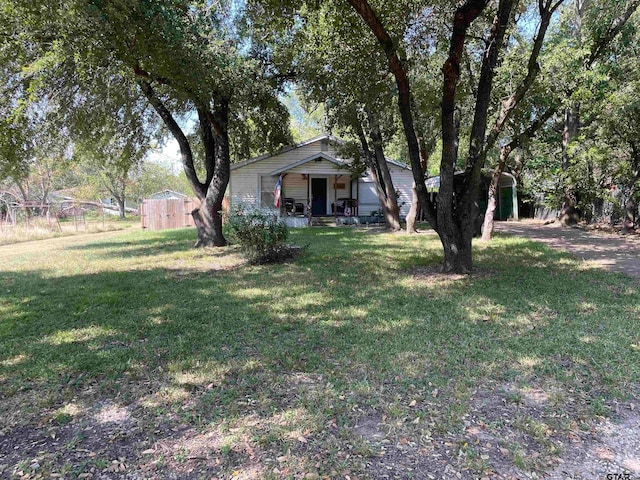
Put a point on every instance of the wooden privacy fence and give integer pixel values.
(167, 213)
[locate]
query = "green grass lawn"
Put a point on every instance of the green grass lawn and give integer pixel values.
(131, 352)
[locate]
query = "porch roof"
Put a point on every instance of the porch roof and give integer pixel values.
(339, 164)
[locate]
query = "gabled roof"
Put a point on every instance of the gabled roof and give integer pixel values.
(398, 164)
(244, 163)
(324, 136)
(171, 192)
(315, 156)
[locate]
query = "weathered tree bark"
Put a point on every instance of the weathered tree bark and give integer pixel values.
(569, 213)
(214, 134)
(372, 160)
(414, 211)
(389, 199)
(210, 212)
(457, 211)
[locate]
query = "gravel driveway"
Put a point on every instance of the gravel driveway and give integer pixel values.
(612, 252)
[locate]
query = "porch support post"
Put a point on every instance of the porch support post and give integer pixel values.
(358, 196)
(283, 209)
(308, 198)
(335, 198)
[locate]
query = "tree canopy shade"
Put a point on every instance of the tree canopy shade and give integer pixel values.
(454, 218)
(457, 201)
(476, 78)
(187, 59)
(355, 89)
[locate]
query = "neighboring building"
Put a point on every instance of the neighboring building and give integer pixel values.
(167, 194)
(314, 180)
(506, 198)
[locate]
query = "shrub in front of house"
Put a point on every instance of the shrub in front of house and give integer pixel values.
(261, 235)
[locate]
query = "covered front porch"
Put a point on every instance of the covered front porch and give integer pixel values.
(318, 186)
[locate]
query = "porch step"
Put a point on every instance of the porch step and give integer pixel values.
(323, 221)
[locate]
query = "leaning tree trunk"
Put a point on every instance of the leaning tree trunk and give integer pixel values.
(414, 211)
(391, 214)
(398, 69)
(487, 225)
(389, 199)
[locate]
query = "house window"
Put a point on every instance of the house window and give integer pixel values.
(267, 184)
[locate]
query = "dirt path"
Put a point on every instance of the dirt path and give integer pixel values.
(611, 252)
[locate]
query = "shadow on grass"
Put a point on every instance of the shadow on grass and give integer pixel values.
(345, 325)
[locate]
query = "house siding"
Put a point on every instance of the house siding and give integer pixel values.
(402, 182)
(247, 181)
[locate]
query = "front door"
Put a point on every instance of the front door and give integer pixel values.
(318, 196)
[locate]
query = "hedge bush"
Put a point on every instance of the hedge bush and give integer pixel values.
(260, 235)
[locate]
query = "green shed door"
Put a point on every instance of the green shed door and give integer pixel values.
(506, 203)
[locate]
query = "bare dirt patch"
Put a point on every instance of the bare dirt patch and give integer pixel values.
(432, 274)
(612, 448)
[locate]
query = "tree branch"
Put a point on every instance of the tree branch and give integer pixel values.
(397, 67)
(209, 143)
(614, 29)
(508, 106)
(185, 148)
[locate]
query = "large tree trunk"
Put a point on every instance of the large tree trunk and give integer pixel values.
(214, 134)
(457, 254)
(208, 220)
(458, 202)
(208, 217)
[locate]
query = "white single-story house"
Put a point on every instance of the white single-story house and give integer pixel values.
(315, 182)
